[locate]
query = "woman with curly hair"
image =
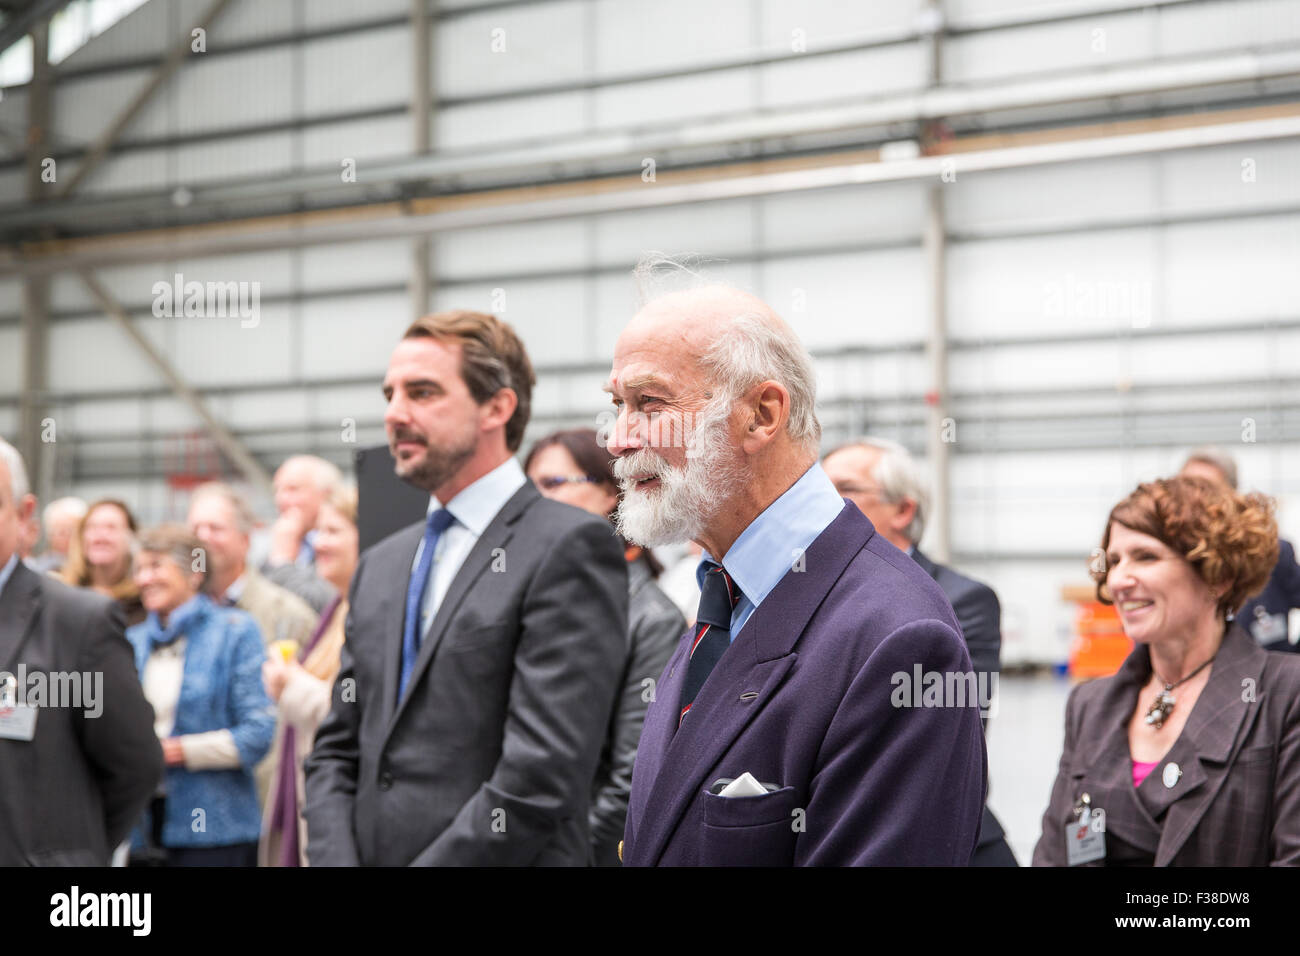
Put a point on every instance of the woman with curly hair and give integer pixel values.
(1190, 754)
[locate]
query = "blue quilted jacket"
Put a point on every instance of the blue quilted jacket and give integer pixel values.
(221, 688)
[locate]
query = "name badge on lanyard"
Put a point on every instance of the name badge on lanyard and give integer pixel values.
(1085, 838)
(17, 721)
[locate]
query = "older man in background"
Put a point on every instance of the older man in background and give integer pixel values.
(301, 484)
(60, 519)
(882, 479)
(1266, 616)
(775, 736)
(75, 780)
(222, 521)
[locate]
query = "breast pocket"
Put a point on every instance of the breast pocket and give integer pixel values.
(750, 831)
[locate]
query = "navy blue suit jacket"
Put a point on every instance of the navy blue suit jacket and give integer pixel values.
(1280, 595)
(804, 700)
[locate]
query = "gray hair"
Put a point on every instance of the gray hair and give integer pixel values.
(1217, 458)
(899, 478)
(245, 520)
(18, 484)
(71, 506)
(751, 351)
(326, 474)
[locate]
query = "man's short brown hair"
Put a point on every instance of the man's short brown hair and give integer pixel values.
(492, 358)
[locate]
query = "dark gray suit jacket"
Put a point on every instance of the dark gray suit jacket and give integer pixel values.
(489, 757)
(72, 793)
(1236, 801)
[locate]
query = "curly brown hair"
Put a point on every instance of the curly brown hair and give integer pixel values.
(1229, 539)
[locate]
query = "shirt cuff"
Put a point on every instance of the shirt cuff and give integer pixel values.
(212, 750)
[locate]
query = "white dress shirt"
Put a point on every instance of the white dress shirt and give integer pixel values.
(474, 508)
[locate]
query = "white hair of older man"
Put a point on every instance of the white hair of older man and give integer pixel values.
(326, 474)
(18, 485)
(749, 352)
(899, 477)
(71, 506)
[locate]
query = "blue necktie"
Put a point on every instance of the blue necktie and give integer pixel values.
(718, 599)
(438, 522)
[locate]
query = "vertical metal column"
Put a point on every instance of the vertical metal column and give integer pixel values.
(421, 109)
(939, 434)
(32, 402)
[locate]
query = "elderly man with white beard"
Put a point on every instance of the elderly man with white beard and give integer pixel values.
(776, 736)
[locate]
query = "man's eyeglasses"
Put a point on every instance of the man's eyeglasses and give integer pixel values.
(551, 482)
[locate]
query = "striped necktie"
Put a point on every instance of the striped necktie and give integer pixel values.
(718, 598)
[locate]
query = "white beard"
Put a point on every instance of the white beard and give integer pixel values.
(688, 498)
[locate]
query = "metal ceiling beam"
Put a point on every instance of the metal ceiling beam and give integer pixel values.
(576, 155)
(251, 468)
(19, 24)
(577, 200)
(104, 142)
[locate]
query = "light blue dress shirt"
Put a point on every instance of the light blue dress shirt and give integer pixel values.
(775, 541)
(8, 570)
(474, 508)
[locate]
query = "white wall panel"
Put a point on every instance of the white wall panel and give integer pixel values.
(675, 100)
(670, 34)
(370, 325)
(891, 212)
(354, 264)
(832, 22)
(319, 14)
(522, 119)
(537, 44)
(356, 71)
(843, 76)
(526, 247)
(329, 144)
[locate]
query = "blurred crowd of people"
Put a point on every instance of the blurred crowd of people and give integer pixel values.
(478, 688)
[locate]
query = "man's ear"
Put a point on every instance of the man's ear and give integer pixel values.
(27, 507)
(498, 409)
(768, 409)
(903, 517)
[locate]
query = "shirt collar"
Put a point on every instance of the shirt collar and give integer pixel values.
(7, 571)
(773, 542)
(476, 505)
(236, 589)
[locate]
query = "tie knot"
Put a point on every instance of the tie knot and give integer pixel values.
(718, 598)
(439, 522)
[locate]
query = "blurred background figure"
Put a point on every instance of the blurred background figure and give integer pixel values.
(301, 684)
(222, 521)
(573, 467)
(100, 556)
(201, 667)
(302, 484)
(881, 478)
(1267, 615)
(75, 781)
(60, 519)
(1190, 754)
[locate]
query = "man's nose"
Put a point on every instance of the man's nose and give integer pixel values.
(626, 434)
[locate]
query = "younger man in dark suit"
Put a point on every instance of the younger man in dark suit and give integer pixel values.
(483, 647)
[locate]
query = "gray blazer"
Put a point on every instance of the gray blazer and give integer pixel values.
(73, 792)
(654, 628)
(489, 757)
(1236, 801)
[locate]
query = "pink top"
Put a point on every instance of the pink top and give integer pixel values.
(1141, 769)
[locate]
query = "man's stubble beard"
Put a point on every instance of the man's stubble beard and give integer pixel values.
(438, 465)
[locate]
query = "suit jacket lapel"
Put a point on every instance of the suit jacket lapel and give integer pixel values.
(22, 596)
(496, 535)
(756, 663)
(1222, 716)
(394, 617)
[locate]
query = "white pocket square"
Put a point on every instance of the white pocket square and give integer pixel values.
(743, 786)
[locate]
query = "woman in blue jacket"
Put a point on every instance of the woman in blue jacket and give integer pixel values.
(201, 667)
